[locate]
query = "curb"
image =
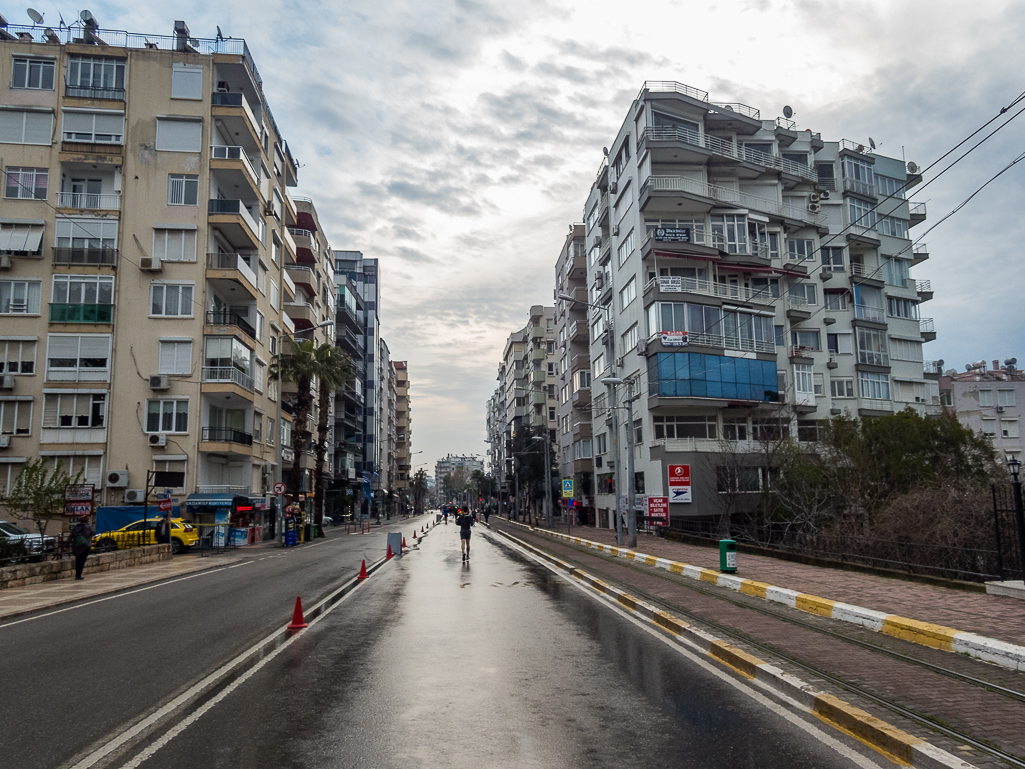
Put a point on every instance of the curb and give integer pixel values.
(947, 639)
(893, 743)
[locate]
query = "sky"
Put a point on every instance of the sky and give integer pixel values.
(456, 140)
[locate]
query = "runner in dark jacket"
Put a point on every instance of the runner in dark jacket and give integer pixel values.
(465, 521)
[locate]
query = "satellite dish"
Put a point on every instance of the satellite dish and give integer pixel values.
(788, 112)
(605, 150)
(871, 142)
(912, 167)
(219, 35)
(36, 16)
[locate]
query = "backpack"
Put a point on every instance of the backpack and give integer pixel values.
(80, 542)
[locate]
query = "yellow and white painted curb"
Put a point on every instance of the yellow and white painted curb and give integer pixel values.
(897, 745)
(924, 633)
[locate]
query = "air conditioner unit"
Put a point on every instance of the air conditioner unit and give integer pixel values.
(150, 264)
(5, 262)
(159, 382)
(814, 207)
(619, 362)
(158, 440)
(117, 479)
(815, 197)
(269, 211)
(5, 441)
(615, 229)
(642, 347)
(597, 241)
(824, 195)
(1000, 409)
(599, 279)
(135, 496)
(6, 382)
(613, 187)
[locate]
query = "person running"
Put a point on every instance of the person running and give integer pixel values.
(465, 521)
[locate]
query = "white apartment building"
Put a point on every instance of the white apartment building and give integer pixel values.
(742, 272)
(990, 401)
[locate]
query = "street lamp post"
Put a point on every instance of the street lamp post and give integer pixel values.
(548, 478)
(612, 382)
(1014, 465)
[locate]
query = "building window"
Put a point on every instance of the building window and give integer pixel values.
(841, 388)
(179, 135)
(275, 300)
(182, 190)
(674, 427)
(25, 127)
(175, 357)
(729, 232)
(872, 347)
(1006, 398)
(83, 289)
(804, 382)
(599, 365)
(889, 187)
(986, 398)
(551, 369)
(91, 467)
(630, 338)
(807, 430)
(85, 233)
(626, 248)
(74, 410)
(989, 427)
(862, 213)
(257, 428)
(628, 293)
(857, 170)
(26, 183)
(94, 127)
(946, 398)
(898, 307)
(892, 226)
(734, 428)
(17, 356)
(96, 77)
(167, 416)
(832, 259)
(260, 322)
(551, 414)
(174, 245)
(20, 297)
(582, 449)
(36, 74)
(270, 431)
(581, 379)
(803, 293)
(895, 271)
(15, 417)
(835, 300)
(187, 81)
(805, 340)
(601, 444)
(170, 300)
(1009, 428)
(905, 349)
(874, 386)
(258, 376)
(800, 250)
(78, 357)
(840, 344)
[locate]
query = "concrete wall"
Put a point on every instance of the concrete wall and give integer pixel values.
(49, 571)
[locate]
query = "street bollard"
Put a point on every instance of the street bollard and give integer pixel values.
(727, 555)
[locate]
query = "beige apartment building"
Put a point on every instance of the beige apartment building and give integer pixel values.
(148, 267)
(403, 427)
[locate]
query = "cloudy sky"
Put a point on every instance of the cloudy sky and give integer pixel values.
(457, 139)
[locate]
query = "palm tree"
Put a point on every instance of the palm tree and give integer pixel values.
(334, 371)
(419, 490)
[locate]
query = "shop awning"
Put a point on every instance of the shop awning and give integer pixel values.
(209, 500)
(20, 237)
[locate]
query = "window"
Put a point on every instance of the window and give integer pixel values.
(804, 382)
(892, 226)
(839, 344)
(173, 245)
(599, 365)
(895, 271)
(260, 321)
(857, 170)
(874, 386)
(26, 183)
(175, 465)
(887, 186)
(803, 293)
(19, 297)
(946, 399)
(85, 233)
(630, 338)
(835, 300)
(75, 410)
(83, 289)
(672, 427)
(905, 349)
(93, 127)
(806, 340)
(1009, 428)
(986, 398)
(627, 294)
(872, 347)
(261, 278)
(19, 126)
(898, 307)
(807, 430)
(551, 369)
(182, 190)
(167, 416)
(551, 414)
(78, 357)
(187, 81)
(601, 444)
(96, 77)
(862, 213)
(33, 73)
(170, 300)
(286, 434)
(17, 356)
(801, 250)
(796, 157)
(175, 357)
(989, 427)
(769, 428)
(734, 428)
(258, 377)
(225, 353)
(275, 300)
(179, 135)
(15, 416)
(582, 449)
(550, 348)
(1006, 398)
(581, 379)
(820, 388)
(626, 248)
(270, 431)
(832, 259)
(827, 176)
(841, 388)
(729, 232)
(764, 288)
(257, 428)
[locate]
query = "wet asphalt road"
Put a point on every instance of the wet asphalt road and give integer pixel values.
(495, 663)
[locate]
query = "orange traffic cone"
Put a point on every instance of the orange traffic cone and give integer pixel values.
(390, 553)
(298, 622)
(363, 570)
(403, 543)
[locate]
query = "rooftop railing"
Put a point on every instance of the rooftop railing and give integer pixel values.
(740, 109)
(671, 86)
(727, 148)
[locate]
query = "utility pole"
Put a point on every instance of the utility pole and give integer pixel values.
(612, 383)
(631, 514)
(548, 478)
(516, 475)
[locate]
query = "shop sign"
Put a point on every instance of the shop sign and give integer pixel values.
(658, 507)
(78, 500)
(672, 234)
(674, 338)
(679, 483)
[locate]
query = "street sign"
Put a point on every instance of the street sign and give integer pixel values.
(679, 483)
(164, 505)
(658, 507)
(567, 488)
(279, 489)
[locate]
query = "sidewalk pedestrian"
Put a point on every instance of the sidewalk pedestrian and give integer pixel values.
(464, 520)
(487, 514)
(164, 529)
(81, 537)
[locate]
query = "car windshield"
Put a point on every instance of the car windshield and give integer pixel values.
(10, 528)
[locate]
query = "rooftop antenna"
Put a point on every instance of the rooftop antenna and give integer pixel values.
(63, 24)
(219, 35)
(788, 112)
(36, 16)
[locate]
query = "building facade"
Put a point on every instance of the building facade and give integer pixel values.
(403, 427)
(748, 277)
(988, 401)
(146, 194)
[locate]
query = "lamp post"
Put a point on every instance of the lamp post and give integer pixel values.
(611, 382)
(548, 478)
(1014, 465)
(281, 470)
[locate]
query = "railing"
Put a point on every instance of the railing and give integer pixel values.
(86, 256)
(226, 435)
(917, 209)
(800, 351)
(727, 342)
(227, 374)
(577, 326)
(859, 270)
(81, 313)
(728, 149)
(88, 201)
(229, 318)
(740, 109)
(88, 92)
(826, 183)
(798, 301)
(923, 286)
(920, 248)
(672, 284)
(932, 367)
(235, 207)
(234, 100)
(859, 188)
(867, 312)
(231, 262)
(926, 325)
(671, 86)
(206, 488)
(733, 197)
(299, 232)
(788, 125)
(847, 144)
(871, 358)
(878, 404)
(309, 277)
(289, 283)
(218, 152)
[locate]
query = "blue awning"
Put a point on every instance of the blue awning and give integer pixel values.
(209, 500)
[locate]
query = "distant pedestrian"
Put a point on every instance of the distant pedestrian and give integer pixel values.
(464, 521)
(81, 538)
(164, 529)
(487, 514)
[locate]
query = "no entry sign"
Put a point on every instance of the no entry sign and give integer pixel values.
(679, 483)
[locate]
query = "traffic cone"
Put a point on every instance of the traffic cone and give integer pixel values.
(363, 570)
(298, 622)
(390, 554)
(403, 543)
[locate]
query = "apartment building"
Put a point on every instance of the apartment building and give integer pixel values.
(403, 427)
(349, 400)
(452, 463)
(988, 401)
(146, 193)
(750, 277)
(574, 376)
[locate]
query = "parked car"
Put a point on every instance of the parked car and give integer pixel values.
(183, 536)
(35, 547)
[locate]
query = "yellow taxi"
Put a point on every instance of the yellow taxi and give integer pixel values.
(183, 536)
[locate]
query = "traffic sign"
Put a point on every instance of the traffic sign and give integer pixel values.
(164, 505)
(279, 489)
(679, 483)
(567, 488)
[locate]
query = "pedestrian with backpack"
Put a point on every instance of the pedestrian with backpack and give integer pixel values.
(81, 537)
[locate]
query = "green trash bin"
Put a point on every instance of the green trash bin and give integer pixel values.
(727, 555)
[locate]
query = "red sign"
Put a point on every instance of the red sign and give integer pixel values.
(679, 483)
(164, 505)
(658, 507)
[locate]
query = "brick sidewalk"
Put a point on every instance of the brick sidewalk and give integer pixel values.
(987, 615)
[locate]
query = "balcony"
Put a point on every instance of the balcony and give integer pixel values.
(228, 375)
(89, 92)
(917, 213)
(88, 201)
(673, 185)
(289, 286)
(235, 222)
(923, 288)
(303, 314)
(859, 270)
(798, 308)
(235, 111)
(226, 435)
(866, 189)
(81, 313)
(919, 253)
(305, 245)
(578, 331)
(802, 353)
(229, 318)
(869, 313)
(672, 284)
(927, 328)
(872, 358)
(234, 159)
(86, 257)
(303, 276)
(231, 269)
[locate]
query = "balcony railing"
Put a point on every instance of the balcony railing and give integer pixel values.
(671, 86)
(923, 286)
(234, 207)
(88, 201)
(740, 109)
(234, 100)
(728, 342)
(867, 312)
(728, 149)
(726, 195)
(672, 284)
(801, 351)
(917, 210)
(926, 325)
(235, 153)
(859, 270)
(231, 262)
(872, 358)
(88, 92)
(229, 318)
(299, 232)
(860, 188)
(227, 374)
(226, 435)
(218, 488)
(86, 256)
(920, 248)
(81, 313)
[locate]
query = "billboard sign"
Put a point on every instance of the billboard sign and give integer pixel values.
(658, 507)
(674, 338)
(672, 234)
(679, 483)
